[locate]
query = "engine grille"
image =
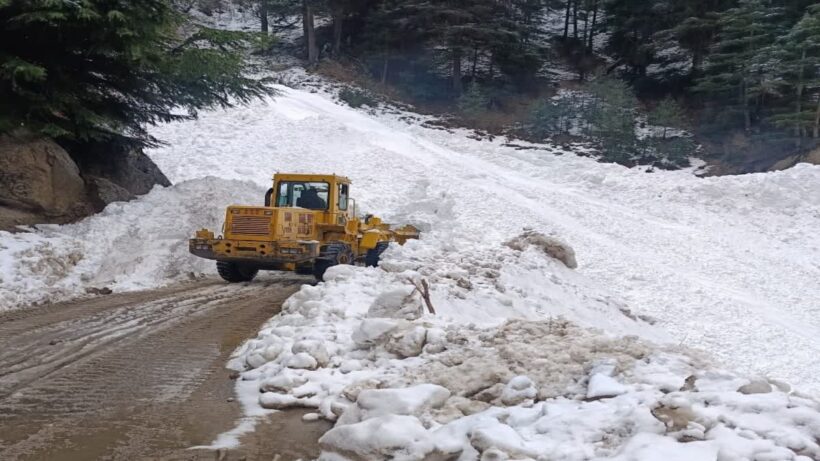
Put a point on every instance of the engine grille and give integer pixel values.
(250, 225)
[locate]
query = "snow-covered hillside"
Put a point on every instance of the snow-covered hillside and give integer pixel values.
(527, 358)
(727, 264)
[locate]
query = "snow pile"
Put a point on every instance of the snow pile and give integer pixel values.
(133, 245)
(401, 383)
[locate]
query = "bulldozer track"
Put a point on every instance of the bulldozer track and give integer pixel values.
(135, 375)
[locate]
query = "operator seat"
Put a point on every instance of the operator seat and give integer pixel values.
(310, 199)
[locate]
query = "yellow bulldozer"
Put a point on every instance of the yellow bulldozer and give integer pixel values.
(308, 223)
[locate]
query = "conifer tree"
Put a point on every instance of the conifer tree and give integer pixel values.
(799, 66)
(738, 69)
(90, 70)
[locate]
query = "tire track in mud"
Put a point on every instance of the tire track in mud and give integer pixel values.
(137, 375)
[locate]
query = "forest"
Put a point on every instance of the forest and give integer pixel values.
(647, 82)
(742, 75)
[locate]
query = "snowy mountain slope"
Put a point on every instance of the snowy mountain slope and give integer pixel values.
(727, 264)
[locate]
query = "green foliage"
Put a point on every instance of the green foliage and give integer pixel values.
(674, 152)
(556, 116)
(611, 118)
(91, 70)
(668, 113)
(356, 98)
(738, 70)
(474, 101)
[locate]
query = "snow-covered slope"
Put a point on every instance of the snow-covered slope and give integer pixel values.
(729, 265)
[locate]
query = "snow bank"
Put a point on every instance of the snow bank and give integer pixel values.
(134, 245)
(401, 383)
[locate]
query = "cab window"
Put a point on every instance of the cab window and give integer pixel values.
(310, 195)
(343, 191)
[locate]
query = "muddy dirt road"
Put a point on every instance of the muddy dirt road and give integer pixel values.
(139, 376)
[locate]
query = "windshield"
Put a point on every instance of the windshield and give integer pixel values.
(311, 195)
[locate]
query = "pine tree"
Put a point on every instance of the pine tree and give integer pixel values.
(612, 120)
(799, 68)
(474, 101)
(738, 69)
(693, 26)
(668, 113)
(99, 70)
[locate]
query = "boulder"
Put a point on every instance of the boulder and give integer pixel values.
(128, 168)
(101, 192)
(38, 177)
(552, 246)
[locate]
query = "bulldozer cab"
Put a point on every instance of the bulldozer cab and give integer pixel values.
(327, 193)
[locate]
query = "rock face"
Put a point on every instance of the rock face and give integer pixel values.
(40, 182)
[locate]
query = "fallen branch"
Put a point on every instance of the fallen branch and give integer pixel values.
(424, 291)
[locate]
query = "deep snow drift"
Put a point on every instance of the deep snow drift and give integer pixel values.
(508, 367)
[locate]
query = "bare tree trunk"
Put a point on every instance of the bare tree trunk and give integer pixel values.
(310, 34)
(798, 129)
(575, 19)
(386, 63)
(263, 17)
(816, 132)
(747, 117)
(475, 62)
(566, 20)
(338, 17)
(457, 87)
(592, 27)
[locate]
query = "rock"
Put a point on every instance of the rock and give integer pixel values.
(98, 291)
(675, 418)
(101, 192)
(757, 386)
(39, 182)
(552, 246)
(126, 167)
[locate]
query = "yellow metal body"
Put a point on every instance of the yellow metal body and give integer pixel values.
(285, 237)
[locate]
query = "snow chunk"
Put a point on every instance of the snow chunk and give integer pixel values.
(399, 303)
(372, 331)
(302, 360)
(386, 437)
(412, 400)
(602, 386)
(519, 390)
